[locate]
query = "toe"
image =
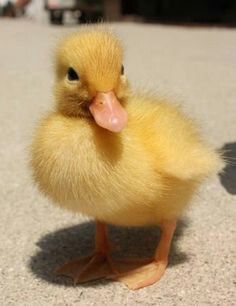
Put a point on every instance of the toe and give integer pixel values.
(143, 276)
(72, 268)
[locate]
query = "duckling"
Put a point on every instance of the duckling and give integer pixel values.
(122, 158)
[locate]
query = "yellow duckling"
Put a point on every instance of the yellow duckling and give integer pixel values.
(122, 158)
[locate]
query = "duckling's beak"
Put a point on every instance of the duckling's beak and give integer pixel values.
(108, 112)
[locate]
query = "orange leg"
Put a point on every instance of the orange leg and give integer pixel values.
(135, 273)
(151, 273)
(98, 265)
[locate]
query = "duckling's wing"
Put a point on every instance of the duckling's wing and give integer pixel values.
(184, 154)
(173, 138)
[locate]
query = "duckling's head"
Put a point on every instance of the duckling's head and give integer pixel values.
(90, 80)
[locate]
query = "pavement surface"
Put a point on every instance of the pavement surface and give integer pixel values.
(195, 66)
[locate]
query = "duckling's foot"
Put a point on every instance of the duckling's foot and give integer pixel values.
(96, 266)
(142, 276)
(149, 274)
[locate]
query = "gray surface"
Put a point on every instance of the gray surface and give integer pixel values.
(195, 66)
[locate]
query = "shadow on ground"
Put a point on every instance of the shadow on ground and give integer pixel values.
(69, 243)
(228, 176)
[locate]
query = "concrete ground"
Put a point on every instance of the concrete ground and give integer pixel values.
(196, 66)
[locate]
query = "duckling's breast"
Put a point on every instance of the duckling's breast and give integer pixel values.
(86, 169)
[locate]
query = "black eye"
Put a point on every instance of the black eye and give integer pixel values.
(72, 75)
(122, 70)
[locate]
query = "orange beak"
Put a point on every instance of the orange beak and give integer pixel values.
(108, 112)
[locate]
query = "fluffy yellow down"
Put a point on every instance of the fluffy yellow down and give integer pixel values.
(144, 174)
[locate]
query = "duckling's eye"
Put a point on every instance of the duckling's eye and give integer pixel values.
(72, 75)
(122, 70)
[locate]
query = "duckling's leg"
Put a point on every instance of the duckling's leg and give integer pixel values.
(98, 265)
(151, 273)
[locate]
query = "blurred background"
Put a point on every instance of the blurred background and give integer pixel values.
(220, 12)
